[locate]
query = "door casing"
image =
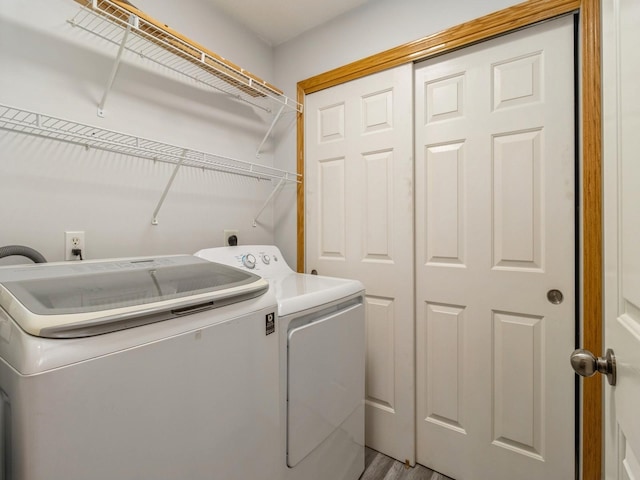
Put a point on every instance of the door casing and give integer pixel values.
(489, 26)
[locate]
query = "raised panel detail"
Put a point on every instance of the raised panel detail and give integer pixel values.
(444, 98)
(517, 81)
(380, 375)
(630, 318)
(331, 207)
(377, 111)
(518, 387)
(445, 357)
(517, 199)
(378, 193)
(331, 123)
(629, 467)
(445, 200)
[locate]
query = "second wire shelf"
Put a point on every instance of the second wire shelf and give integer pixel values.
(31, 123)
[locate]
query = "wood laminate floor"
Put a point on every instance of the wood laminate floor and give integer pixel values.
(378, 466)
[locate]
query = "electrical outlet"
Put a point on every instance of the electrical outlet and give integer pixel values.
(229, 233)
(72, 241)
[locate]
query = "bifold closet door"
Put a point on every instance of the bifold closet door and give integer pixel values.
(359, 224)
(495, 250)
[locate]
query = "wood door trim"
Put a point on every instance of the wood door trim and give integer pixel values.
(468, 33)
(462, 35)
(592, 413)
(301, 186)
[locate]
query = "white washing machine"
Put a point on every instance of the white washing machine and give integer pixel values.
(152, 368)
(322, 342)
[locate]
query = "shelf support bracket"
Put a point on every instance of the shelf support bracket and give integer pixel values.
(154, 220)
(116, 64)
(273, 124)
(266, 202)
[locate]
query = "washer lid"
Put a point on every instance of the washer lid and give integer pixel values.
(51, 299)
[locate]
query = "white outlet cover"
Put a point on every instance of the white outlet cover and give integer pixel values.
(74, 239)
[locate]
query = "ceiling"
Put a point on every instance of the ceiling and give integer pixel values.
(276, 21)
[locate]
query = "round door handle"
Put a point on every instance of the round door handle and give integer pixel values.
(587, 364)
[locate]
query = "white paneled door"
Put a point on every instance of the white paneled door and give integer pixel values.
(495, 246)
(359, 213)
(621, 61)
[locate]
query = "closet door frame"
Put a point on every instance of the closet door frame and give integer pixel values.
(498, 23)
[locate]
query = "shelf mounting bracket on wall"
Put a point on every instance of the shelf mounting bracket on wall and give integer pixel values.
(133, 21)
(154, 220)
(266, 202)
(273, 124)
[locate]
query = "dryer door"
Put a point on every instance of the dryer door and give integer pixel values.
(325, 374)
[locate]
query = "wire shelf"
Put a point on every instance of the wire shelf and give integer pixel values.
(113, 20)
(37, 124)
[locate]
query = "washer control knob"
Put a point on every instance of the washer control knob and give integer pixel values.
(249, 261)
(266, 259)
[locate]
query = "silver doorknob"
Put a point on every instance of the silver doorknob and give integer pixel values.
(587, 364)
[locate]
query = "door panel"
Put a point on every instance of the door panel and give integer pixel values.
(621, 43)
(359, 213)
(445, 345)
(495, 212)
(518, 389)
(380, 379)
(444, 195)
(332, 208)
(517, 198)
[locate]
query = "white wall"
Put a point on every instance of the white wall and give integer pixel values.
(47, 187)
(370, 29)
(47, 66)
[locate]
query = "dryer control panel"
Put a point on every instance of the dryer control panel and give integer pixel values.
(263, 260)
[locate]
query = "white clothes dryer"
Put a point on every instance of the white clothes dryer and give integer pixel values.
(322, 358)
(151, 368)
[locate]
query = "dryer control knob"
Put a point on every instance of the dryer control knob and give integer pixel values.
(266, 259)
(249, 261)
